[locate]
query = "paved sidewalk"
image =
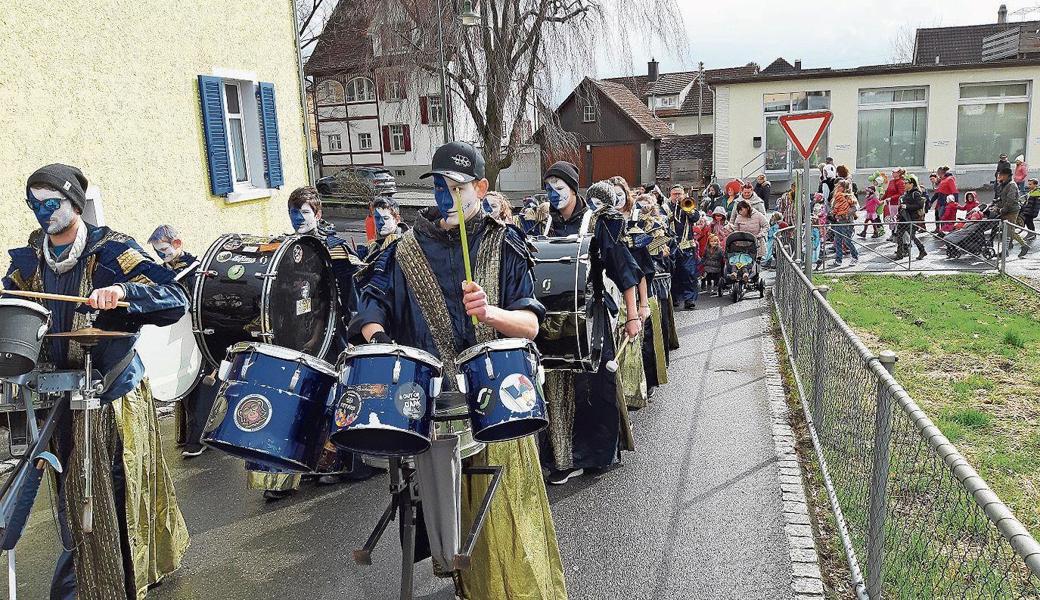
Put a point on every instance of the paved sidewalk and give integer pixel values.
(696, 513)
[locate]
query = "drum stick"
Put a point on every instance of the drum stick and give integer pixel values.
(58, 297)
(465, 244)
(612, 365)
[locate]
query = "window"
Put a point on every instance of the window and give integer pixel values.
(892, 127)
(393, 87)
(666, 101)
(329, 91)
(236, 132)
(991, 118)
(335, 142)
(397, 138)
(364, 141)
(780, 154)
(589, 114)
(360, 89)
(436, 110)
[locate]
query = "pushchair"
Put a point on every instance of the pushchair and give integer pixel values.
(976, 237)
(741, 271)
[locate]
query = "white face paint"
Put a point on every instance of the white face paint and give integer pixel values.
(166, 251)
(307, 220)
(563, 192)
(619, 197)
(389, 223)
(467, 195)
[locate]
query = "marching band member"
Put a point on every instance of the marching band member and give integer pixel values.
(588, 434)
(192, 411)
(533, 217)
(685, 277)
(652, 242)
(138, 534)
(633, 372)
(336, 465)
(386, 213)
(415, 293)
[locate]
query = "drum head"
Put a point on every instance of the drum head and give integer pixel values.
(301, 299)
(172, 359)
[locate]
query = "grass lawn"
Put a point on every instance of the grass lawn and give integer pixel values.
(969, 354)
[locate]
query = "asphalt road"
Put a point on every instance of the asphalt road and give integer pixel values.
(695, 513)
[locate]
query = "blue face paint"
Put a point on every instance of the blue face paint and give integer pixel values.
(44, 210)
(442, 193)
(554, 197)
(296, 218)
(378, 218)
(487, 206)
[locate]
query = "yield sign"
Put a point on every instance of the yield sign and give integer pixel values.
(806, 129)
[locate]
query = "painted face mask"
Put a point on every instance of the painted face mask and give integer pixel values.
(303, 219)
(558, 191)
(619, 198)
(446, 201)
(385, 221)
(166, 252)
(53, 213)
(485, 204)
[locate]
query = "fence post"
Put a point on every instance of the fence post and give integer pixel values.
(819, 372)
(879, 482)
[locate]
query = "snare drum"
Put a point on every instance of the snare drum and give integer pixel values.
(272, 407)
(384, 400)
(22, 327)
(502, 381)
(448, 420)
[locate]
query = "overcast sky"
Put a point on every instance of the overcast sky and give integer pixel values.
(839, 33)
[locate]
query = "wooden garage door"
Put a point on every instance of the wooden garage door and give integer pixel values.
(621, 159)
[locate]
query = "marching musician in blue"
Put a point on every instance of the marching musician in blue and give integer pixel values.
(335, 465)
(593, 434)
(686, 283)
(138, 534)
(416, 294)
(192, 410)
(386, 213)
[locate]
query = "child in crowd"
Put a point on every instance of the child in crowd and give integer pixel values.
(1030, 208)
(871, 205)
(714, 258)
(817, 236)
(771, 233)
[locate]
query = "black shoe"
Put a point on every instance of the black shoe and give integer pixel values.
(690, 305)
(562, 477)
(1023, 251)
(276, 495)
(921, 254)
(192, 450)
(862, 235)
(675, 304)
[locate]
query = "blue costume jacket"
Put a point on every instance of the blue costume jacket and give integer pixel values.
(109, 258)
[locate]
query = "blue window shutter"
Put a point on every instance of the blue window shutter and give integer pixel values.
(269, 131)
(211, 94)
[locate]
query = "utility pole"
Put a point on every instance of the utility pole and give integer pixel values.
(700, 94)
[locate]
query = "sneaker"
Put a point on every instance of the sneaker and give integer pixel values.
(276, 495)
(561, 477)
(855, 261)
(836, 263)
(862, 235)
(1023, 251)
(193, 450)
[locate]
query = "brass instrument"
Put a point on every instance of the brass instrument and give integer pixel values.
(688, 204)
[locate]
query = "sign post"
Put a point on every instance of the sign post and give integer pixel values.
(805, 130)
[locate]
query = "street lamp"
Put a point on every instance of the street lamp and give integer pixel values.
(468, 17)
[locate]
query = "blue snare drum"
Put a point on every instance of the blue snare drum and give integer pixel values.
(502, 382)
(271, 408)
(383, 404)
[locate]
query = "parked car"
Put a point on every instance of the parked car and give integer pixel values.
(359, 182)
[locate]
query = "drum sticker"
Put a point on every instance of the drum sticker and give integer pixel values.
(411, 400)
(484, 399)
(217, 413)
(370, 391)
(547, 285)
(303, 306)
(233, 244)
(224, 256)
(348, 409)
(253, 413)
(517, 393)
(297, 254)
(225, 301)
(236, 272)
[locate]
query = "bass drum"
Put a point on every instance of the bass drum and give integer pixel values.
(172, 359)
(276, 290)
(579, 320)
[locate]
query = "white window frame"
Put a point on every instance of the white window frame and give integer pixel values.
(367, 86)
(861, 106)
(435, 112)
(669, 101)
(329, 98)
(766, 116)
(1027, 99)
(392, 85)
(588, 114)
(396, 148)
(362, 139)
(239, 180)
(247, 82)
(335, 142)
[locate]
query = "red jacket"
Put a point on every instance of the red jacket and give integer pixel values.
(894, 191)
(948, 186)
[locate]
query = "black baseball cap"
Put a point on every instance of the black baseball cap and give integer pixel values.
(457, 161)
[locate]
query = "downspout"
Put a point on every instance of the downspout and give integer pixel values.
(303, 94)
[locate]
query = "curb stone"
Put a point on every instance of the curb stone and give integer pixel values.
(807, 582)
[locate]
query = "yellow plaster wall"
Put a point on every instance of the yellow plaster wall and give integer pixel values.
(111, 86)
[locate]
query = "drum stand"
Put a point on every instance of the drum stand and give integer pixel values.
(404, 498)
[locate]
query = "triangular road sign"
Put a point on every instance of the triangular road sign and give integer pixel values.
(806, 129)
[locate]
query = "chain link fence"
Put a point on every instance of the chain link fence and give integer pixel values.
(915, 519)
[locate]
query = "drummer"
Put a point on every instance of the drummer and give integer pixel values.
(192, 410)
(517, 555)
(593, 437)
(386, 213)
(336, 465)
(135, 505)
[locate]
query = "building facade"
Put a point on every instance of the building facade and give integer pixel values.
(178, 113)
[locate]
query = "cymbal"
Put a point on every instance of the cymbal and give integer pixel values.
(90, 335)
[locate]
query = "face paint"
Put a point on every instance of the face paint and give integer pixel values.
(619, 197)
(558, 191)
(54, 213)
(303, 219)
(385, 221)
(166, 252)
(442, 192)
(486, 205)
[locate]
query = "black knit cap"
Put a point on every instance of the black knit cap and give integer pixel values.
(70, 181)
(565, 171)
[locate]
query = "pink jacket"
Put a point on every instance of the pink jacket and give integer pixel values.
(871, 205)
(1021, 172)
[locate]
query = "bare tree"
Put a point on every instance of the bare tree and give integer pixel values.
(509, 65)
(903, 42)
(309, 16)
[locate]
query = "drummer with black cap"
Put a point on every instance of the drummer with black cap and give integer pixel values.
(406, 292)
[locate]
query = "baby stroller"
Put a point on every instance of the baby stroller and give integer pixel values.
(741, 271)
(975, 237)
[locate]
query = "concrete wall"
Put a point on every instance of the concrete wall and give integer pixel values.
(740, 117)
(111, 87)
(688, 125)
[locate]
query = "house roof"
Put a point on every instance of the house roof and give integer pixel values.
(780, 65)
(880, 70)
(671, 83)
(958, 45)
(344, 44)
(632, 107)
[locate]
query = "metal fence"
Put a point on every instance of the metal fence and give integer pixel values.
(915, 519)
